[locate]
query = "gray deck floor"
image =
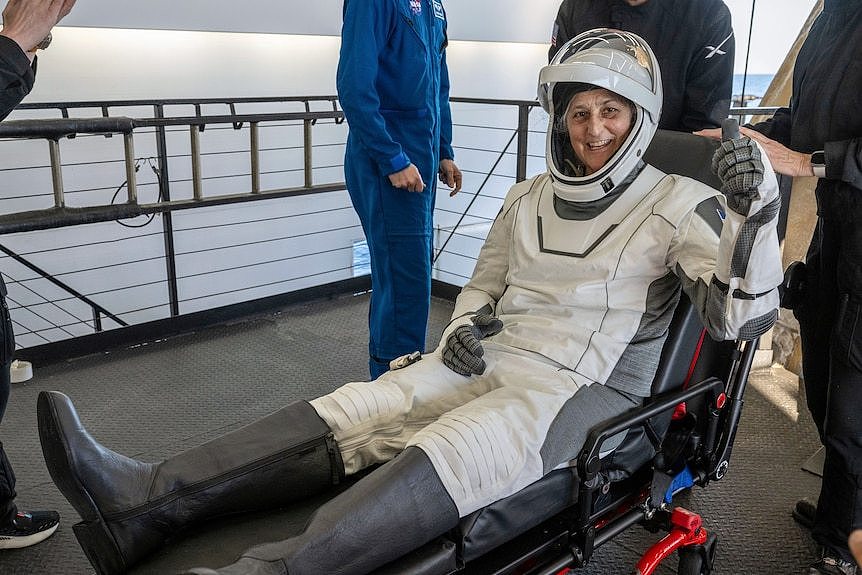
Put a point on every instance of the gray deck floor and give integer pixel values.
(157, 399)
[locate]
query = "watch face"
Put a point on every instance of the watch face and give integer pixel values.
(818, 158)
(46, 41)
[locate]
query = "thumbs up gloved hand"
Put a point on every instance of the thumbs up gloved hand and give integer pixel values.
(738, 165)
(463, 352)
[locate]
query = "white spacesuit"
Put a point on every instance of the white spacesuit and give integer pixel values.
(573, 293)
(584, 274)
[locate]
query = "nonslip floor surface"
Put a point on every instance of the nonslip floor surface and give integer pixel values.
(155, 400)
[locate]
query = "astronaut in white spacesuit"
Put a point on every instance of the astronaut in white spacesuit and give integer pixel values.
(560, 328)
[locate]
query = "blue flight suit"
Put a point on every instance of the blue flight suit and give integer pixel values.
(393, 85)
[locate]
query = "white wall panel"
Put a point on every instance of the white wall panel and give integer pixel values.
(103, 64)
(514, 20)
(321, 17)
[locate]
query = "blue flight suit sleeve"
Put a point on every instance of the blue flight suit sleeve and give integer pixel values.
(446, 152)
(366, 28)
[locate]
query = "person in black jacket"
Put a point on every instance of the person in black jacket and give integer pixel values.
(820, 134)
(26, 28)
(692, 39)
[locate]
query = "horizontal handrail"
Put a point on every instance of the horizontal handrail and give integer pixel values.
(52, 129)
(105, 105)
(57, 217)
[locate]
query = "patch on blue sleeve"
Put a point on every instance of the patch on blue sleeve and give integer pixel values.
(438, 9)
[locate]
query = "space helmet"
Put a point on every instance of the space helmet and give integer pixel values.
(621, 62)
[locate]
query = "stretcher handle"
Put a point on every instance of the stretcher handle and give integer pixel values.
(729, 129)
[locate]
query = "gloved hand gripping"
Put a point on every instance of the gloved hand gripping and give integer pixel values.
(738, 165)
(463, 352)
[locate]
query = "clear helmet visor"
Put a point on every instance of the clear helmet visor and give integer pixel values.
(562, 154)
(620, 62)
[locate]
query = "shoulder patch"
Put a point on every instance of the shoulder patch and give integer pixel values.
(438, 9)
(711, 211)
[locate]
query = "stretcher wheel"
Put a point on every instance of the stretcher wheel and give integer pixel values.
(698, 559)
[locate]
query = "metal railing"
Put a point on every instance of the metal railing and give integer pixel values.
(168, 197)
(276, 244)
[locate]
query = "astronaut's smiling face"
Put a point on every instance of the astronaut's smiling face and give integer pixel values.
(598, 122)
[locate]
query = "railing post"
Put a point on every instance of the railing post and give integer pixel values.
(167, 217)
(131, 178)
(56, 173)
(97, 320)
(307, 153)
(197, 188)
(254, 133)
(523, 142)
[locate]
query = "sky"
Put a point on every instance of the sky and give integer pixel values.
(776, 26)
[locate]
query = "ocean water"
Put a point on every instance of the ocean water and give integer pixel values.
(755, 87)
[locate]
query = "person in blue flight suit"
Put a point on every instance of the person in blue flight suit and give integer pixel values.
(393, 85)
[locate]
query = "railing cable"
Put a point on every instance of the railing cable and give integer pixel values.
(61, 285)
(476, 195)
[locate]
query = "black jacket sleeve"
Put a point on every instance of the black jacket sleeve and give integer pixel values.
(709, 84)
(16, 75)
(844, 161)
(561, 33)
(777, 127)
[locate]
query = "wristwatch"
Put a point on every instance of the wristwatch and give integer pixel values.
(818, 163)
(46, 41)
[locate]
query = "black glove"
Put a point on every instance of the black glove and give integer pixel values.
(792, 290)
(738, 165)
(463, 352)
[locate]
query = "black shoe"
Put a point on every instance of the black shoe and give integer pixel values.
(831, 564)
(28, 528)
(805, 511)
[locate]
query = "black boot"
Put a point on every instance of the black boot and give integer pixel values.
(395, 509)
(130, 508)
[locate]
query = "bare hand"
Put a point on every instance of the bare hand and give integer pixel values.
(855, 544)
(784, 160)
(407, 179)
(450, 175)
(27, 22)
(714, 133)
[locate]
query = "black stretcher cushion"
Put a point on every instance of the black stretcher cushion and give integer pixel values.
(439, 556)
(683, 154)
(491, 526)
